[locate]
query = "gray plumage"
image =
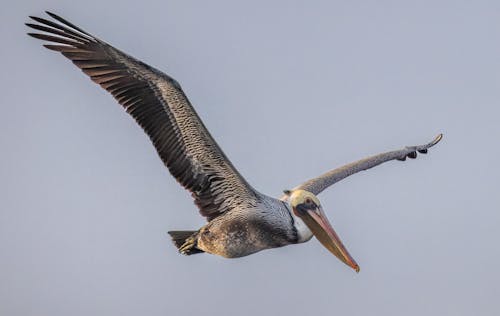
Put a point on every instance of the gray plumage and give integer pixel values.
(241, 220)
(160, 107)
(318, 184)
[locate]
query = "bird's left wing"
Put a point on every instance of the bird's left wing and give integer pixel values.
(317, 185)
(160, 107)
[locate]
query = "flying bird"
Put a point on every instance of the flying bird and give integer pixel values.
(241, 220)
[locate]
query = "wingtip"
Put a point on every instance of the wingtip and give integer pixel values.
(437, 139)
(54, 16)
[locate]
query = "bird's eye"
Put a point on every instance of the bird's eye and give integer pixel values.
(308, 201)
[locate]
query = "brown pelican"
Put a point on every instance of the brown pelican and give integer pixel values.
(241, 220)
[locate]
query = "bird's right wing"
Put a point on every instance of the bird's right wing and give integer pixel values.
(317, 185)
(160, 107)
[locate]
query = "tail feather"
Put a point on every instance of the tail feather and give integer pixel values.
(185, 241)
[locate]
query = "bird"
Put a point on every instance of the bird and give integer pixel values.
(240, 220)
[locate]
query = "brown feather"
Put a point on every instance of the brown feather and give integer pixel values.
(160, 107)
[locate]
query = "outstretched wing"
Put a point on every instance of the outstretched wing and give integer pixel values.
(160, 107)
(317, 185)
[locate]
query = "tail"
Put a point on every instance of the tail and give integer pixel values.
(185, 241)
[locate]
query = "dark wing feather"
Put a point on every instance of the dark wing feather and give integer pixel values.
(160, 107)
(317, 185)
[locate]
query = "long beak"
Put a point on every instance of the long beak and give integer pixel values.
(320, 226)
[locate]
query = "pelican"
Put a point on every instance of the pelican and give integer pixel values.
(240, 220)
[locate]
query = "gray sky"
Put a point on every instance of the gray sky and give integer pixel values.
(85, 202)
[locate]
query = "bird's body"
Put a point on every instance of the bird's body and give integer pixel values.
(241, 220)
(241, 232)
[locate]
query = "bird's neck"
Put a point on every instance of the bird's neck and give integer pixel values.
(303, 232)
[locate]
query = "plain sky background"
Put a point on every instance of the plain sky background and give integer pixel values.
(85, 203)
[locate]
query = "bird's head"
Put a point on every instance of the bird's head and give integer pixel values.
(306, 207)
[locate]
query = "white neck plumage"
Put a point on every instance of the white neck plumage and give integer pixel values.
(303, 232)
